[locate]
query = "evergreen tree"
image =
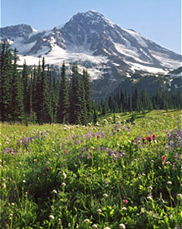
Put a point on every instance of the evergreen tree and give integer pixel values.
(38, 96)
(34, 93)
(5, 82)
(46, 109)
(17, 108)
(55, 98)
(75, 97)
(87, 94)
(63, 115)
(25, 91)
(83, 110)
(30, 99)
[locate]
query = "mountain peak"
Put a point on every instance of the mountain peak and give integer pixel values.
(93, 13)
(21, 30)
(91, 17)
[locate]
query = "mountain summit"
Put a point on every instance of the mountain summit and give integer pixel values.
(109, 52)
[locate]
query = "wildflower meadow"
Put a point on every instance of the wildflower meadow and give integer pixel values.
(122, 172)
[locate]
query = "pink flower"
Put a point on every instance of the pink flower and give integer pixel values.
(149, 138)
(43, 174)
(154, 136)
(143, 139)
(47, 169)
(125, 201)
(65, 152)
(163, 158)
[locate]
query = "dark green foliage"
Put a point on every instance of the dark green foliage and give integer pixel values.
(79, 97)
(5, 82)
(75, 97)
(26, 91)
(17, 106)
(38, 96)
(86, 88)
(63, 109)
(140, 101)
(95, 117)
(46, 109)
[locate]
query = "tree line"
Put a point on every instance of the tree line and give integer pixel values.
(123, 101)
(36, 95)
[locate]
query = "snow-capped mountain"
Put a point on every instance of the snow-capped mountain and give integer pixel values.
(110, 53)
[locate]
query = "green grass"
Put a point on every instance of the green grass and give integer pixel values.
(60, 176)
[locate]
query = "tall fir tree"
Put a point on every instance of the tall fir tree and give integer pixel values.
(83, 108)
(17, 109)
(87, 95)
(38, 95)
(63, 109)
(5, 82)
(30, 99)
(25, 91)
(46, 109)
(75, 97)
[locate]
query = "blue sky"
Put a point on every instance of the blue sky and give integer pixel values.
(157, 20)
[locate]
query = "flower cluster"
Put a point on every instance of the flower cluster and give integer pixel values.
(149, 138)
(8, 151)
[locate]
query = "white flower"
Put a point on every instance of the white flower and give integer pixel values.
(86, 221)
(51, 217)
(149, 188)
(64, 176)
(63, 184)
(94, 226)
(179, 196)
(149, 197)
(107, 228)
(124, 208)
(12, 204)
(54, 191)
(99, 210)
(169, 182)
(121, 225)
(105, 195)
(168, 162)
(24, 181)
(97, 124)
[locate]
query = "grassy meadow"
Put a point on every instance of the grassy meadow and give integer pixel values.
(125, 172)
